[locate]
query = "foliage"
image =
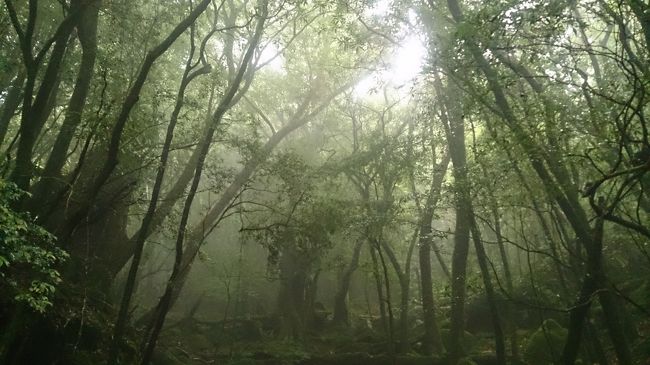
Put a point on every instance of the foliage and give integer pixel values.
(550, 97)
(28, 255)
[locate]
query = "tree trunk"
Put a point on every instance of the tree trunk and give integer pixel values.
(10, 104)
(555, 180)
(292, 296)
(455, 131)
(496, 218)
(341, 315)
(390, 324)
(510, 308)
(405, 282)
(642, 12)
(168, 298)
(383, 317)
(131, 99)
(87, 33)
(597, 350)
(129, 287)
(34, 115)
(489, 291)
(431, 340)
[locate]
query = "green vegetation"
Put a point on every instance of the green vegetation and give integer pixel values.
(29, 259)
(324, 182)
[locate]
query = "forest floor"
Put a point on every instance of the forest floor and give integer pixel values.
(245, 343)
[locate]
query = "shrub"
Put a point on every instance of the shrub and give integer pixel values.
(28, 255)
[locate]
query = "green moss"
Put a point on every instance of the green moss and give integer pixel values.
(545, 345)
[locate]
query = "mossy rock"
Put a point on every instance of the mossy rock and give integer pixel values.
(545, 345)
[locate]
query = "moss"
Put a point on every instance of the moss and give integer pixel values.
(545, 345)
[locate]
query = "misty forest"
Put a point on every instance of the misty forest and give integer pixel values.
(313, 182)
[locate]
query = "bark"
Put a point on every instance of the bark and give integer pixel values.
(11, 103)
(383, 316)
(188, 75)
(458, 273)
(496, 218)
(642, 12)
(510, 308)
(341, 315)
(455, 131)
(559, 187)
(167, 300)
(120, 256)
(614, 323)
(87, 33)
(177, 190)
(500, 346)
(404, 282)
(580, 311)
(35, 114)
(390, 325)
(129, 102)
(405, 344)
(597, 350)
(311, 297)
(292, 297)
(431, 340)
(465, 222)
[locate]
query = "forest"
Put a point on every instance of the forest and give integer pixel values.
(313, 182)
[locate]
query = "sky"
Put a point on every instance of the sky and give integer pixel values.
(405, 62)
(405, 65)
